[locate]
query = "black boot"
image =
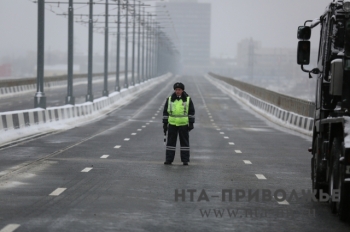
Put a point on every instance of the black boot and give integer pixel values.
(167, 163)
(185, 163)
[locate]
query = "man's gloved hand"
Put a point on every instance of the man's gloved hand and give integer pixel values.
(165, 127)
(190, 126)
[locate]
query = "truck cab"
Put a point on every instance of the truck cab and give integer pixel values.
(330, 162)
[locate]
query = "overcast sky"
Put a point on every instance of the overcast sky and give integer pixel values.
(273, 22)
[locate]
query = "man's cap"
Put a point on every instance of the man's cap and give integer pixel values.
(179, 85)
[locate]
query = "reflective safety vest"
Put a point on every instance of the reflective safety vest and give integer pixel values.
(178, 112)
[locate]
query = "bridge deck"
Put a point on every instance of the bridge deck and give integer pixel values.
(124, 185)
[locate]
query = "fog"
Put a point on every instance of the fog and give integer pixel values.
(271, 23)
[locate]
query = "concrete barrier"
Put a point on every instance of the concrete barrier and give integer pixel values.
(24, 85)
(292, 120)
(21, 124)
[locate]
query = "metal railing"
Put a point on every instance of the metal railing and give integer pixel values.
(32, 80)
(288, 103)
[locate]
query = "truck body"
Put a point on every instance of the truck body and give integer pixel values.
(330, 162)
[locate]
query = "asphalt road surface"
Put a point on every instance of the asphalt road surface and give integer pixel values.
(109, 175)
(56, 96)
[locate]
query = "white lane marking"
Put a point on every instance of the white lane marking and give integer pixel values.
(283, 202)
(143, 126)
(218, 129)
(10, 228)
(133, 133)
(156, 115)
(247, 162)
(139, 129)
(210, 117)
(118, 146)
(231, 143)
(226, 137)
(212, 120)
(104, 156)
(222, 133)
(58, 191)
(126, 139)
(260, 176)
(147, 123)
(238, 151)
(86, 170)
(153, 117)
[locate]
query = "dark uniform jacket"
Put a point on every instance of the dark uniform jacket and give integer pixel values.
(191, 111)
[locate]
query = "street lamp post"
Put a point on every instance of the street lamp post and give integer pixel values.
(105, 86)
(39, 98)
(139, 45)
(117, 84)
(126, 82)
(70, 98)
(133, 46)
(89, 96)
(143, 45)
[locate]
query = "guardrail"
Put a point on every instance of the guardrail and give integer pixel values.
(288, 103)
(294, 116)
(21, 124)
(23, 85)
(32, 80)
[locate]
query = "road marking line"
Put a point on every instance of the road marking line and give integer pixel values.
(10, 228)
(212, 120)
(126, 139)
(231, 143)
(133, 133)
(143, 126)
(247, 162)
(58, 191)
(218, 129)
(260, 176)
(156, 115)
(226, 137)
(147, 123)
(283, 202)
(117, 147)
(139, 129)
(238, 151)
(222, 133)
(86, 170)
(210, 116)
(153, 117)
(104, 156)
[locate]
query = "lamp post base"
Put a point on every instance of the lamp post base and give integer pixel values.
(70, 100)
(105, 93)
(39, 101)
(89, 98)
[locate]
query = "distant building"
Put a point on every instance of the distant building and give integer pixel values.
(191, 34)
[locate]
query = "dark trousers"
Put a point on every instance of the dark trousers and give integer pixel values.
(182, 131)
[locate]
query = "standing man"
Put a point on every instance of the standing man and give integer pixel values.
(178, 119)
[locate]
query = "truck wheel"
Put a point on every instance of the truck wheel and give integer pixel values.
(343, 206)
(315, 173)
(334, 172)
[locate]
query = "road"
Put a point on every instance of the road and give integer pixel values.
(109, 175)
(56, 96)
